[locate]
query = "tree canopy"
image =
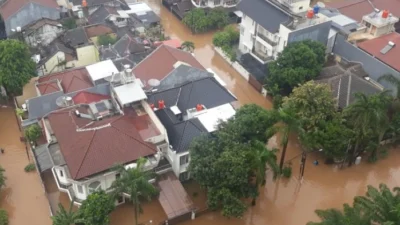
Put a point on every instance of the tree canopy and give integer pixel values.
(299, 62)
(64, 217)
(198, 20)
(231, 164)
(16, 66)
(33, 132)
(378, 206)
(106, 39)
(95, 210)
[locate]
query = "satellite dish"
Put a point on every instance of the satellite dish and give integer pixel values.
(321, 4)
(64, 101)
(153, 82)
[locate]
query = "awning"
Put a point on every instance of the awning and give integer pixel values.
(238, 13)
(43, 158)
(173, 197)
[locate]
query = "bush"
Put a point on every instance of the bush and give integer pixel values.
(3, 217)
(33, 132)
(69, 23)
(199, 21)
(20, 112)
(106, 40)
(30, 167)
(226, 39)
(287, 171)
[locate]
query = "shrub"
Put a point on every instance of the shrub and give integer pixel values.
(199, 21)
(33, 132)
(287, 171)
(20, 112)
(69, 23)
(30, 167)
(3, 217)
(106, 40)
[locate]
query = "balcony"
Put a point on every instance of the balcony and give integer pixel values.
(262, 56)
(267, 39)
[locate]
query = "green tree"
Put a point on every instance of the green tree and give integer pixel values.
(197, 20)
(134, 182)
(69, 23)
(188, 46)
(3, 217)
(16, 66)
(297, 64)
(368, 115)
(288, 124)
(95, 210)
(221, 39)
(106, 39)
(312, 102)
(2, 177)
(218, 18)
(64, 217)
(349, 216)
(33, 132)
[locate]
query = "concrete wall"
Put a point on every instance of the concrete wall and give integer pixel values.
(52, 64)
(45, 34)
(371, 65)
(86, 55)
(317, 32)
(28, 14)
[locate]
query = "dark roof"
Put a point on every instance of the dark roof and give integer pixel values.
(132, 59)
(91, 151)
(206, 91)
(11, 7)
(76, 37)
(347, 80)
(51, 49)
(162, 61)
(180, 133)
(128, 45)
(91, 3)
(254, 67)
(356, 9)
(182, 74)
(101, 14)
(264, 13)
(374, 47)
(147, 18)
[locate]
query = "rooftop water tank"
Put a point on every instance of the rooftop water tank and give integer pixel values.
(316, 9)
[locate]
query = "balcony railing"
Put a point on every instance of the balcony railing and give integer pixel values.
(163, 168)
(262, 56)
(267, 39)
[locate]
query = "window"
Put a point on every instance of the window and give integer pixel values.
(217, 2)
(241, 30)
(184, 159)
(184, 176)
(117, 176)
(80, 188)
(301, 7)
(61, 173)
(368, 25)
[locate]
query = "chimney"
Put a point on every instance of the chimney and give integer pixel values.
(385, 14)
(161, 104)
(310, 14)
(199, 107)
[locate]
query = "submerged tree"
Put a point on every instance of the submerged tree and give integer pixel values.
(95, 210)
(16, 66)
(134, 182)
(187, 46)
(64, 217)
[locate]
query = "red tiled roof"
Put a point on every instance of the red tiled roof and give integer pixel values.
(97, 30)
(48, 87)
(175, 43)
(71, 80)
(88, 152)
(10, 7)
(85, 97)
(374, 47)
(356, 9)
(161, 62)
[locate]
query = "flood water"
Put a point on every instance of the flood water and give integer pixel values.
(23, 196)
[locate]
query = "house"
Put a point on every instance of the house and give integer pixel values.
(161, 62)
(268, 26)
(188, 111)
(347, 79)
(94, 31)
(385, 48)
(54, 57)
(40, 32)
(140, 14)
(357, 9)
(19, 13)
(172, 42)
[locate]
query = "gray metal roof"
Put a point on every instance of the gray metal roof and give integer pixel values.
(148, 18)
(43, 158)
(76, 37)
(99, 16)
(182, 74)
(264, 13)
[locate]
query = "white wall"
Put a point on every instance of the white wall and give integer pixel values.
(247, 29)
(63, 179)
(174, 160)
(283, 38)
(45, 34)
(301, 6)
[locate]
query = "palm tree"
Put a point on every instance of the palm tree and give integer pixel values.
(263, 157)
(134, 182)
(368, 114)
(289, 124)
(349, 216)
(64, 217)
(187, 46)
(382, 205)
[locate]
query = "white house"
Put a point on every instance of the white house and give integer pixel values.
(269, 25)
(214, 3)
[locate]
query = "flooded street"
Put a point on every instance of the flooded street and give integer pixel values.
(23, 196)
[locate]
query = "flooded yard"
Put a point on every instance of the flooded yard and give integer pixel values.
(23, 196)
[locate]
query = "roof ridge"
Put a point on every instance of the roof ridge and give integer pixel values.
(181, 137)
(140, 141)
(86, 153)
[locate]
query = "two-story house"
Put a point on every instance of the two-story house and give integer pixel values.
(268, 26)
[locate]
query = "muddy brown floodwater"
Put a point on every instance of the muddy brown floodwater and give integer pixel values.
(23, 196)
(286, 201)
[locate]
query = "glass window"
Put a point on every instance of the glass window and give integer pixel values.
(117, 176)
(184, 176)
(241, 30)
(217, 2)
(184, 159)
(61, 173)
(80, 188)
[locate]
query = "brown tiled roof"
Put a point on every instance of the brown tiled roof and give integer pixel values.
(12, 6)
(85, 97)
(91, 151)
(161, 62)
(71, 80)
(374, 47)
(356, 9)
(97, 30)
(48, 87)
